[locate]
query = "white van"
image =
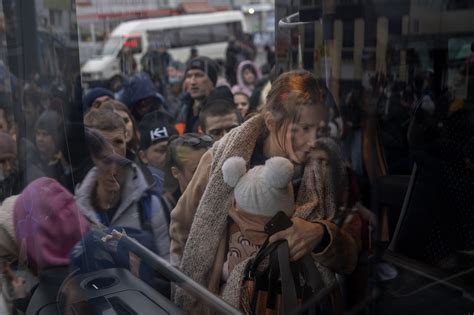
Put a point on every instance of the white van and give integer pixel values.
(209, 33)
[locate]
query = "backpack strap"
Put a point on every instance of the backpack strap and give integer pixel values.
(166, 208)
(145, 212)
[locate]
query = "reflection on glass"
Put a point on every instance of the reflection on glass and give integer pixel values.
(391, 107)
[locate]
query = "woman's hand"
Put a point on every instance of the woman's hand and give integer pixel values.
(302, 237)
(133, 260)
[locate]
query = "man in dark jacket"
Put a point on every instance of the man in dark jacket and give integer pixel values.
(141, 96)
(201, 78)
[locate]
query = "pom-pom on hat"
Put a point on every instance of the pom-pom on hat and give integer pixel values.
(264, 189)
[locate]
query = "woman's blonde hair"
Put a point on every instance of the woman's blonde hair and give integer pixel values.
(290, 91)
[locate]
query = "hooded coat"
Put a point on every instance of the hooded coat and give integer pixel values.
(241, 86)
(128, 212)
(138, 88)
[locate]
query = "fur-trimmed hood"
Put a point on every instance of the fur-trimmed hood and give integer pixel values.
(241, 87)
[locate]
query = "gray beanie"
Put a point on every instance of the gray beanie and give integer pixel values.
(264, 189)
(50, 121)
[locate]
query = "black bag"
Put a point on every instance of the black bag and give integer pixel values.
(282, 286)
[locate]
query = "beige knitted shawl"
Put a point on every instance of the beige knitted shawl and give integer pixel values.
(316, 200)
(8, 247)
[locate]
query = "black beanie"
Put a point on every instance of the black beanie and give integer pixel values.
(155, 128)
(205, 64)
(221, 95)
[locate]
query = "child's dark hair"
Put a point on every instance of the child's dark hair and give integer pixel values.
(250, 67)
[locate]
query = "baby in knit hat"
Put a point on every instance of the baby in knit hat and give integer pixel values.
(259, 194)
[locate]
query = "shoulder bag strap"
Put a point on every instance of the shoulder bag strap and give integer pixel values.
(315, 281)
(288, 290)
(262, 253)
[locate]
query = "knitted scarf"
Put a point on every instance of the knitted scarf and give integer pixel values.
(8, 246)
(316, 200)
(210, 220)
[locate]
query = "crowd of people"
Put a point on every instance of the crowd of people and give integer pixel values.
(195, 159)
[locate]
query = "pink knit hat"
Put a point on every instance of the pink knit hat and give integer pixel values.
(48, 223)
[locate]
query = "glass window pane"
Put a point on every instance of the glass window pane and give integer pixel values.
(191, 36)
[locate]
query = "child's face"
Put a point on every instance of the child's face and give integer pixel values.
(155, 155)
(249, 77)
(45, 142)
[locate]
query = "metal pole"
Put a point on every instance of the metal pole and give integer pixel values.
(175, 275)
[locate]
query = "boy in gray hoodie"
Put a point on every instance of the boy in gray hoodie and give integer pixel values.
(115, 193)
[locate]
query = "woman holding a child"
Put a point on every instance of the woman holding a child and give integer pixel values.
(205, 215)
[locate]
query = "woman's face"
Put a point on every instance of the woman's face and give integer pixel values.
(128, 125)
(189, 166)
(300, 137)
(242, 103)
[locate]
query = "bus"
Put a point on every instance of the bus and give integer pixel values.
(208, 33)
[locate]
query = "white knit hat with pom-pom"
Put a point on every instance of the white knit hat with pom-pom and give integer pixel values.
(264, 189)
